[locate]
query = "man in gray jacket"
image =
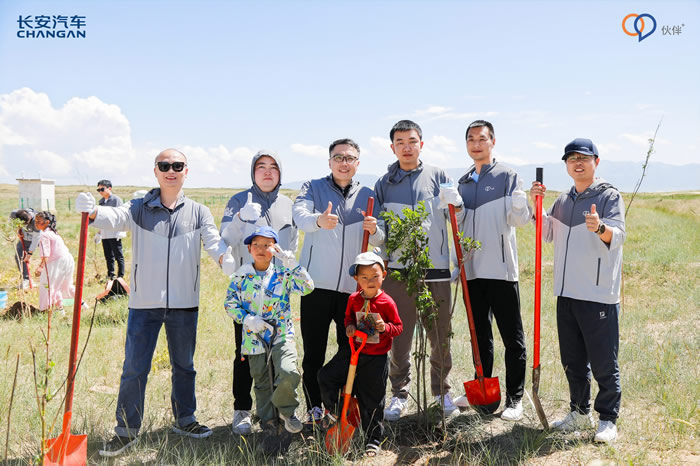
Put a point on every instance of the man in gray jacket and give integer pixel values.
(494, 205)
(587, 225)
(407, 182)
(261, 205)
(111, 240)
(167, 229)
(331, 212)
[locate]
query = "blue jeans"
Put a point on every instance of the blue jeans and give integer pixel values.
(142, 331)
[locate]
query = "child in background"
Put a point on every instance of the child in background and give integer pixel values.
(258, 298)
(372, 311)
(55, 271)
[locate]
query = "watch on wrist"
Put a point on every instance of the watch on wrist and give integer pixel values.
(601, 228)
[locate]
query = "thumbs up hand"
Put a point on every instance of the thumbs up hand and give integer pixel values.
(592, 220)
(327, 220)
(251, 211)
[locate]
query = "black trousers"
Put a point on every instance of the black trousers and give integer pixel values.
(500, 299)
(589, 338)
(19, 255)
(369, 387)
(318, 309)
(242, 380)
(113, 251)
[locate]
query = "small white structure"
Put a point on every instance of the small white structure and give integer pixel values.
(37, 193)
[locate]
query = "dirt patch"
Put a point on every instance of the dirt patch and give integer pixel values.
(19, 311)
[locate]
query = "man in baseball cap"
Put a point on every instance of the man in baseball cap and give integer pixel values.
(582, 146)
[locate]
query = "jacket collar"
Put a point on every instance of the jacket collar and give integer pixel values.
(396, 174)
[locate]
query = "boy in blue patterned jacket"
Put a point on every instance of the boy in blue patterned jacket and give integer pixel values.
(259, 299)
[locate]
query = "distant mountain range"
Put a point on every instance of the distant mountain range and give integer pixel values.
(660, 177)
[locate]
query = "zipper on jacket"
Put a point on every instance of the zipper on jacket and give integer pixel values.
(342, 253)
(136, 271)
(196, 277)
(311, 250)
(566, 250)
(597, 275)
(503, 251)
(442, 244)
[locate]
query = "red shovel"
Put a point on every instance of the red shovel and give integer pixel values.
(483, 393)
(68, 449)
(538, 287)
(339, 436)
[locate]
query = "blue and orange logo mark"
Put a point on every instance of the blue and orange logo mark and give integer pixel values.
(639, 25)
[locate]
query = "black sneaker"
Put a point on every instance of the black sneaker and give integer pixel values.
(194, 430)
(117, 445)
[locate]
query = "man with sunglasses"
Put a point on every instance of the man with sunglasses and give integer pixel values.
(167, 229)
(261, 205)
(111, 239)
(587, 226)
(331, 212)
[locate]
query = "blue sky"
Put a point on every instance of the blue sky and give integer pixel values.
(219, 80)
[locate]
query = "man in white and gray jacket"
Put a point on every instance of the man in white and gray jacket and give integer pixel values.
(494, 205)
(331, 212)
(167, 232)
(587, 225)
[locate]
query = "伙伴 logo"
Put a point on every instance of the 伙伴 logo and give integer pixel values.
(639, 25)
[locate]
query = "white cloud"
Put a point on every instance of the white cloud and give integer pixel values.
(544, 145)
(642, 139)
(443, 143)
(313, 150)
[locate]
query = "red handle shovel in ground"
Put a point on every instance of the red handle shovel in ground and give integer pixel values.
(538, 288)
(68, 449)
(339, 437)
(483, 393)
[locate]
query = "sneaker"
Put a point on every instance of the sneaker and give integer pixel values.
(461, 402)
(372, 449)
(117, 445)
(194, 430)
(241, 424)
(514, 412)
(448, 407)
(328, 420)
(606, 432)
(574, 421)
(396, 407)
(313, 417)
(292, 423)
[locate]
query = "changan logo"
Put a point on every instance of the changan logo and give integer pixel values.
(50, 27)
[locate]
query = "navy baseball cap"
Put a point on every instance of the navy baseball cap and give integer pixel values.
(266, 231)
(582, 146)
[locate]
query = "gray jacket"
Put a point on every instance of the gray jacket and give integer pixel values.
(328, 254)
(398, 189)
(165, 247)
(585, 267)
(276, 212)
(488, 217)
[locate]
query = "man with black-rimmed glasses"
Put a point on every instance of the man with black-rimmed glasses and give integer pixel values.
(167, 230)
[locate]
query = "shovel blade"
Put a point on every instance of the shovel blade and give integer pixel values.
(339, 437)
(354, 412)
(66, 449)
(484, 399)
(536, 398)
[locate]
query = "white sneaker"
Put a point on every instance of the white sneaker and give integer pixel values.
(574, 421)
(241, 422)
(448, 407)
(396, 407)
(462, 402)
(514, 412)
(606, 433)
(291, 423)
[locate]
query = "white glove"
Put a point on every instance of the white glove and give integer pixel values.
(251, 211)
(449, 195)
(287, 257)
(228, 264)
(254, 323)
(519, 198)
(98, 238)
(85, 202)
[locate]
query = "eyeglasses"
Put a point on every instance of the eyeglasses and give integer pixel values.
(99, 190)
(344, 158)
(579, 158)
(165, 166)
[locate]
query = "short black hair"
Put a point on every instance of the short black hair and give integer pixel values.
(405, 125)
(479, 124)
(23, 215)
(48, 216)
(340, 142)
(105, 183)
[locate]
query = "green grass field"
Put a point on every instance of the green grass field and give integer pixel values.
(659, 333)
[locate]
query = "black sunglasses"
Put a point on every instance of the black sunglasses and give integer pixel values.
(99, 190)
(165, 166)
